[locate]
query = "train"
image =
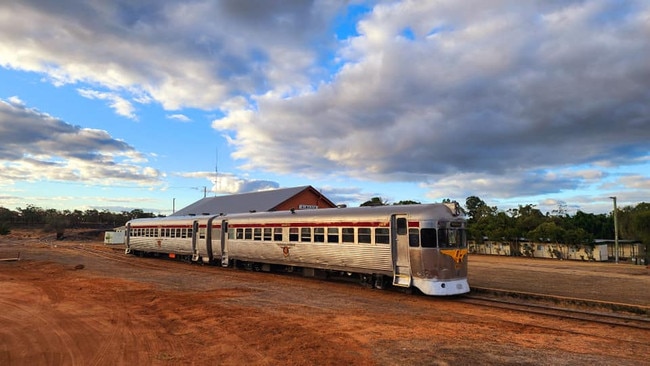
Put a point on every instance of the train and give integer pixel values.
(421, 247)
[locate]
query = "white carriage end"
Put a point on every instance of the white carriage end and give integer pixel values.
(441, 288)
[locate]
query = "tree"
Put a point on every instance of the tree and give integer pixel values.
(375, 201)
(407, 202)
(32, 215)
(477, 209)
(57, 222)
(548, 231)
(635, 224)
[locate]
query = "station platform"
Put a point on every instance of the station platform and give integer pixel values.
(598, 281)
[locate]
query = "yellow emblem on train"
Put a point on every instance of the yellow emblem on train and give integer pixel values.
(456, 254)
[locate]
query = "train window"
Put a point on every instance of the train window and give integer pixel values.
(257, 233)
(267, 234)
(451, 238)
(178, 233)
(189, 233)
(414, 238)
(401, 226)
(382, 236)
(305, 234)
(428, 238)
(363, 235)
(277, 234)
(348, 235)
(319, 235)
(183, 233)
(216, 234)
(293, 234)
(248, 233)
(240, 233)
(332, 235)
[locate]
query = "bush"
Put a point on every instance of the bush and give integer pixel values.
(4, 228)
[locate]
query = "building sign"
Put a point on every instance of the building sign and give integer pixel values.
(307, 207)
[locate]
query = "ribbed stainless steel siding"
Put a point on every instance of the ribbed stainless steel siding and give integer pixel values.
(352, 257)
(167, 245)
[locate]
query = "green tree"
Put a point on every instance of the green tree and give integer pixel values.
(548, 231)
(32, 215)
(375, 201)
(407, 202)
(57, 222)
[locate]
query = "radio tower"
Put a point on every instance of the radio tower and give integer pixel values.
(216, 172)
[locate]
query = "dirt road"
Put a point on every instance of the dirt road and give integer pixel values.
(84, 303)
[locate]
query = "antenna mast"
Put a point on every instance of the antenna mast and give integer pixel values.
(216, 172)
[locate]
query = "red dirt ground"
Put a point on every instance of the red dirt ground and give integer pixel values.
(79, 302)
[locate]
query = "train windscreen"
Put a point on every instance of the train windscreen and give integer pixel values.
(451, 238)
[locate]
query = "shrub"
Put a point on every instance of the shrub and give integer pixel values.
(4, 228)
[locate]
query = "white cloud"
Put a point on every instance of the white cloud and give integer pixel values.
(120, 105)
(36, 146)
(179, 117)
(227, 183)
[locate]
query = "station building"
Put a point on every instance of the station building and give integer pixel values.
(296, 198)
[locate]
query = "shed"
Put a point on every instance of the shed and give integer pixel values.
(116, 236)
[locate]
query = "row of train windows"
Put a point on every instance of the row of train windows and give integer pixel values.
(427, 238)
(314, 235)
(162, 232)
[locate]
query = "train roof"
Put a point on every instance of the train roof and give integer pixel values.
(435, 209)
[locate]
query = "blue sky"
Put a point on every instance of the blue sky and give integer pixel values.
(139, 104)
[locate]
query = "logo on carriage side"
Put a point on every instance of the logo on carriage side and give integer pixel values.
(285, 251)
(456, 254)
(159, 242)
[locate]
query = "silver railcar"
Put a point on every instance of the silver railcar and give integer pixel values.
(421, 246)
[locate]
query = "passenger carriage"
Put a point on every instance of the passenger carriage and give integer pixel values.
(422, 246)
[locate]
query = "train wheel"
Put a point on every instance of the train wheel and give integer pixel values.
(380, 282)
(367, 281)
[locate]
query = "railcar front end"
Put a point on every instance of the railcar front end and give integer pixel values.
(430, 250)
(440, 262)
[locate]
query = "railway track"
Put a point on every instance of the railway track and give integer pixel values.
(613, 314)
(622, 315)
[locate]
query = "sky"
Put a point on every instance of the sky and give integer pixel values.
(154, 104)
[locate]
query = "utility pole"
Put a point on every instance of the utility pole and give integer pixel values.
(615, 231)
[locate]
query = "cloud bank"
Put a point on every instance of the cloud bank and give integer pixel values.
(500, 98)
(37, 146)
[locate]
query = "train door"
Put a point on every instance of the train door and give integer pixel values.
(208, 239)
(400, 251)
(224, 243)
(195, 235)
